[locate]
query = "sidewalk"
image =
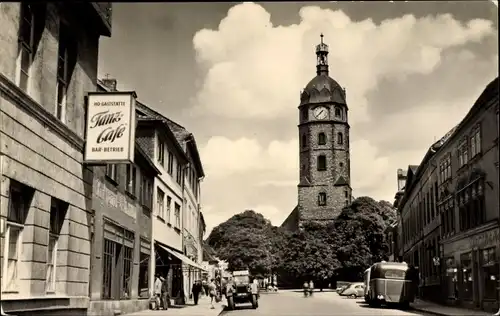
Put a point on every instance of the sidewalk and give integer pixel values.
(202, 309)
(436, 309)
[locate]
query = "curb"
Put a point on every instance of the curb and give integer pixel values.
(428, 311)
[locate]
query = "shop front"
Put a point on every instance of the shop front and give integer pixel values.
(177, 267)
(472, 269)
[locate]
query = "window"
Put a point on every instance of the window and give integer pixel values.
(16, 216)
(445, 168)
(447, 212)
(346, 203)
(321, 163)
(117, 262)
(58, 211)
(146, 191)
(340, 138)
(26, 45)
(169, 206)
(467, 275)
(131, 179)
(490, 273)
(160, 200)
(144, 260)
(305, 113)
(338, 113)
(471, 205)
(161, 152)
(63, 70)
(111, 172)
(170, 163)
(304, 141)
(322, 199)
(475, 142)
(321, 139)
(346, 194)
(463, 152)
(179, 173)
(341, 164)
(177, 215)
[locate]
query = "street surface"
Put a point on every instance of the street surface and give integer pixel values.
(293, 303)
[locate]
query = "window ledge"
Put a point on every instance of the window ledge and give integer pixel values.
(131, 195)
(177, 229)
(160, 218)
(169, 224)
(111, 180)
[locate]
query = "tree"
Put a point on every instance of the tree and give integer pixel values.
(245, 242)
(309, 255)
(360, 231)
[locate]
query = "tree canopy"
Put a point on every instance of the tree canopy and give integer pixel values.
(341, 249)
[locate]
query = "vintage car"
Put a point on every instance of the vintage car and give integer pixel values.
(354, 290)
(240, 290)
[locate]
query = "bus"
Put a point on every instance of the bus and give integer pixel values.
(391, 283)
(367, 284)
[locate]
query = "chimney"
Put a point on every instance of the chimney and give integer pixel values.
(109, 83)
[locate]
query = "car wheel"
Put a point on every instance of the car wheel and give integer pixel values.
(352, 296)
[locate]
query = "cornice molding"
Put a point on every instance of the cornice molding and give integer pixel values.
(33, 108)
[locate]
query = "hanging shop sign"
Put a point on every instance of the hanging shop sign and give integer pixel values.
(110, 127)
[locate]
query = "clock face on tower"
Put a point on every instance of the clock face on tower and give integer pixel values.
(320, 112)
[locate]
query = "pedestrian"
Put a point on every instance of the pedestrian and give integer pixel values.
(306, 288)
(157, 291)
(196, 291)
(204, 285)
(311, 287)
(165, 296)
(212, 291)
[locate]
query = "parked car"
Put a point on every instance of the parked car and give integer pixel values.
(354, 290)
(341, 288)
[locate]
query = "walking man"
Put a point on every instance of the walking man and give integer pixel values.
(196, 291)
(212, 290)
(157, 291)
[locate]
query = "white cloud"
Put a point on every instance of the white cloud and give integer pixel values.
(256, 70)
(222, 156)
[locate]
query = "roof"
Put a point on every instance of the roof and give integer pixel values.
(341, 181)
(323, 88)
(147, 159)
(166, 129)
(488, 93)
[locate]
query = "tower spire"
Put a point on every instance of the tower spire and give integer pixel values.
(322, 58)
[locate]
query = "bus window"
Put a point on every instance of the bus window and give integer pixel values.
(395, 274)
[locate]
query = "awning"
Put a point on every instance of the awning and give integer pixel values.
(181, 257)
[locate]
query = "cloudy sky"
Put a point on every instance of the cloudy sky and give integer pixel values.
(231, 73)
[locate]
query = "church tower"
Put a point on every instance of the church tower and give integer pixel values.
(325, 169)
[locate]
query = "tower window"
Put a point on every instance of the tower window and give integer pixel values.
(346, 193)
(340, 138)
(305, 114)
(338, 113)
(341, 164)
(304, 141)
(322, 199)
(321, 163)
(321, 138)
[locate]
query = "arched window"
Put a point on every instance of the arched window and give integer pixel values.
(340, 138)
(321, 139)
(338, 113)
(304, 141)
(321, 163)
(322, 199)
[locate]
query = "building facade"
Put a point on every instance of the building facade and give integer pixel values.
(176, 243)
(325, 171)
(122, 202)
(450, 211)
(48, 62)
